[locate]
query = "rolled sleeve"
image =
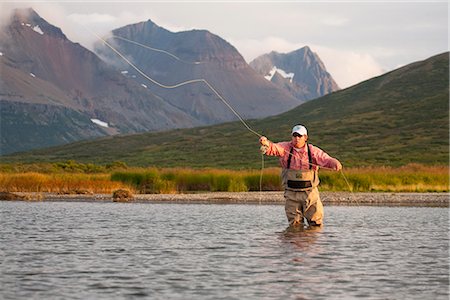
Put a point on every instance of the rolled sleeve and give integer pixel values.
(276, 149)
(323, 159)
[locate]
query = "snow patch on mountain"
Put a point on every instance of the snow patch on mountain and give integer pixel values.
(100, 123)
(38, 29)
(35, 28)
(283, 73)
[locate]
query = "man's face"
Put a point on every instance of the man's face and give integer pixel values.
(298, 140)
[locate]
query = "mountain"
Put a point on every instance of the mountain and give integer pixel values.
(299, 72)
(195, 54)
(398, 118)
(54, 91)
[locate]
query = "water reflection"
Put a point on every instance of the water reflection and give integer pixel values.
(303, 237)
(303, 240)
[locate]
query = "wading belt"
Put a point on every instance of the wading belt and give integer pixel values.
(298, 180)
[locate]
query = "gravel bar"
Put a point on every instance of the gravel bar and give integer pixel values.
(328, 198)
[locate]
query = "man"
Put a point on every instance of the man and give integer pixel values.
(300, 163)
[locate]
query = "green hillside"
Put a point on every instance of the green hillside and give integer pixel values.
(398, 118)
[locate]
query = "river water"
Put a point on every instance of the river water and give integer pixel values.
(89, 250)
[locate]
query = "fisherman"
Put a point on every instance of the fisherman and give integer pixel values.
(300, 163)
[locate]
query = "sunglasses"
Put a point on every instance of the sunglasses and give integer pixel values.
(297, 134)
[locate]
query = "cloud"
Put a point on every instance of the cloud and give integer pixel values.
(252, 48)
(55, 14)
(84, 27)
(78, 27)
(334, 21)
(102, 24)
(355, 42)
(5, 15)
(348, 67)
(94, 18)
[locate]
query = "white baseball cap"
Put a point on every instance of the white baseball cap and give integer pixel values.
(300, 129)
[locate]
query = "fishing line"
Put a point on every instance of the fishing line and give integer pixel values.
(346, 181)
(178, 84)
(342, 173)
(157, 50)
(330, 169)
(210, 87)
(201, 80)
(261, 177)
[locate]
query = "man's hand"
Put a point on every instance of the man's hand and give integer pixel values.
(264, 141)
(338, 166)
(264, 144)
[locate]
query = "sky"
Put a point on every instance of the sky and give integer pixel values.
(356, 40)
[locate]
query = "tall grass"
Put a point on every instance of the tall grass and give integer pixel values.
(178, 180)
(410, 178)
(58, 183)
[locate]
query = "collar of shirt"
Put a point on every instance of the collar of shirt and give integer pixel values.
(302, 149)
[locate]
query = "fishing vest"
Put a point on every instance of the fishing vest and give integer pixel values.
(299, 180)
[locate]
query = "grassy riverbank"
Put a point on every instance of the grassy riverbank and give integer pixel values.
(76, 178)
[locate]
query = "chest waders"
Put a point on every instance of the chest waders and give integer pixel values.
(299, 180)
(301, 193)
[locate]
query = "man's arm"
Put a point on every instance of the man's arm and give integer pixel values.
(271, 149)
(324, 160)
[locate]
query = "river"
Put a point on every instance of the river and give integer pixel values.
(91, 250)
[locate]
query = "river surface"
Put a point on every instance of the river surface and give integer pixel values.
(88, 250)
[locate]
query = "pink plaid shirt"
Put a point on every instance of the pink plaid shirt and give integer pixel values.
(299, 160)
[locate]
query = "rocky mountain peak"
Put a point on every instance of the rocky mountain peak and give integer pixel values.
(28, 17)
(309, 57)
(145, 28)
(305, 75)
(191, 45)
(149, 24)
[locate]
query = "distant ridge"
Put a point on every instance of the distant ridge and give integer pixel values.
(395, 119)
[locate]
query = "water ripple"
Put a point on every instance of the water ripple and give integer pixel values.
(179, 251)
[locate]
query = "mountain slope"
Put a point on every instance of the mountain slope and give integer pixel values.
(201, 55)
(300, 72)
(42, 71)
(398, 118)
